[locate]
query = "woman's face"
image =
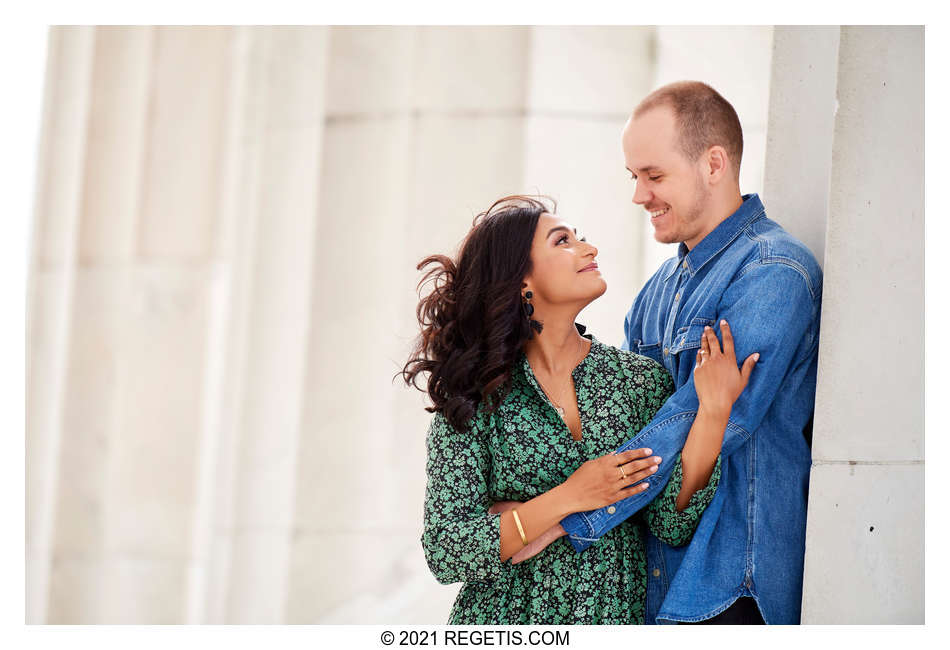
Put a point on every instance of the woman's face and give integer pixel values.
(564, 268)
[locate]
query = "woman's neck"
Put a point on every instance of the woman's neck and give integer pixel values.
(558, 349)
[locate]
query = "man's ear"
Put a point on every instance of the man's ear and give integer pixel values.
(718, 161)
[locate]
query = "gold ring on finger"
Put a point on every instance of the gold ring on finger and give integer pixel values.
(622, 473)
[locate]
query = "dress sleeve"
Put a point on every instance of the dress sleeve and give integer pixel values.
(675, 527)
(461, 540)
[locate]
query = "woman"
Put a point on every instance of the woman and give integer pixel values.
(527, 412)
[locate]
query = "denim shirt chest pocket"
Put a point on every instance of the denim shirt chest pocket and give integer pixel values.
(650, 350)
(689, 337)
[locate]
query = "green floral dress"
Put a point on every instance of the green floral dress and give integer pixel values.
(523, 450)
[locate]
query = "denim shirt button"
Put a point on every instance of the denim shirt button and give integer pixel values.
(656, 573)
(611, 510)
(666, 352)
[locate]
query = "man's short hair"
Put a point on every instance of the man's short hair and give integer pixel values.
(703, 118)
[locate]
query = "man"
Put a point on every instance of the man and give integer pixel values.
(683, 147)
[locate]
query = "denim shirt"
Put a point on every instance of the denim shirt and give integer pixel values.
(751, 539)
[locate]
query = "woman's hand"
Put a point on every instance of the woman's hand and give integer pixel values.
(719, 382)
(605, 480)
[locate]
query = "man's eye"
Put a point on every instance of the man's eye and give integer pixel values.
(654, 178)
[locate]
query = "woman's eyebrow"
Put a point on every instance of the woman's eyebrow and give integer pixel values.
(556, 228)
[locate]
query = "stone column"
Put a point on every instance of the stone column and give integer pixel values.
(802, 105)
(864, 559)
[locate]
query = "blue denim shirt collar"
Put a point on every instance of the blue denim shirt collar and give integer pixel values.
(721, 236)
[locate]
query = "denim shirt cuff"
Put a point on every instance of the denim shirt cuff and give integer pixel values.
(579, 531)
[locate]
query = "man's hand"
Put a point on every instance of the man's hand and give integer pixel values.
(535, 546)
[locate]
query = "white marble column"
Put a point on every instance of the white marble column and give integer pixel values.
(255, 423)
(67, 99)
(169, 307)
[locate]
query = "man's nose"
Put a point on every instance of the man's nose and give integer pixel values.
(641, 195)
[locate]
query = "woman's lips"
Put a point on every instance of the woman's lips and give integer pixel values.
(590, 267)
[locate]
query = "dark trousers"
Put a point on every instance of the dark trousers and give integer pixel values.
(742, 612)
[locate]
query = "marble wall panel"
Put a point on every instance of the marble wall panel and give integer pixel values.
(153, 458)
(43, 351)
(334, 569)
(460, 166)
(357, 253)
(180, 199)
(588, 70)
(74, 591)
(403, 595)
(90, 407)
(60, 171)
(142, 590)
(471, 69)
(296, 63)
(115, 144)
(370, 70)
(258, 576)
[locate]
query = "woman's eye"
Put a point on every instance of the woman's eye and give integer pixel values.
(562, 238)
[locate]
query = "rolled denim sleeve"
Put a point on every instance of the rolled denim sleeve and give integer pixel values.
(770, 308)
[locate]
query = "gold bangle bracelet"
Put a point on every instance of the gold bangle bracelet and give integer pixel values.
(524, 540)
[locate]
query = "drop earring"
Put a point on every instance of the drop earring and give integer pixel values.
(529, 312)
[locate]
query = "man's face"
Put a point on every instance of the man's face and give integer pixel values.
(670, 187)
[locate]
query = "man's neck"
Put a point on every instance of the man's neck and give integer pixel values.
(720, 209)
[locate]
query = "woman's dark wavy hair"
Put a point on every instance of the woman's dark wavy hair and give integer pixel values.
(473, 321)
